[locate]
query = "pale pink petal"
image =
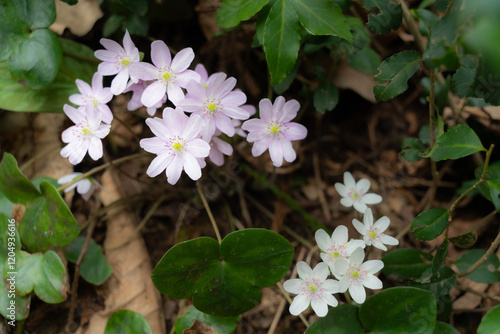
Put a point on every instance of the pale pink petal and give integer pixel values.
(295, 131)
(223, 146)
(111, 45)
(225, 88)
(95, 148)
(108, 68)
(216, 156)
(256, 135)
(182, 60)
(159, 164)
(160, 54)
(174, 170)
(202, 71)
(153, 145)
(77, 99)
(74, 115)
(276, 153)
(175, 93)
(128, 45)
(290, 110)
(84, 87)
(191, 166)
(254, 125)
(158, 127)
(190, 105)
(119, 83)
(192, 128)
(288, 152)
(185, 77)
(102, 131)
(153, 93)
(106, 55)
(143, 71)
(214, 83)
(224, 124)
(265, 109)
(260, 146)
(236, 112)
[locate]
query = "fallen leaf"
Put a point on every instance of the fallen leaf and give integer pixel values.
(345, 77)
(79, 18)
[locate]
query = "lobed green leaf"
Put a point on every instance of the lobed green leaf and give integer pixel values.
(386, 17)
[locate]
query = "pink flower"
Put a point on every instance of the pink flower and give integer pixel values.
(94, 97)
(84, 187)
(177, 145)
(274, 131)
(137, 90)
(117, 60)
(85, 136)
(168, 75)
(219, 148)
(216, 103)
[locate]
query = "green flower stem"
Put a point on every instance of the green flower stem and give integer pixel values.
(491, 250)
(102, 167)
(209, 212)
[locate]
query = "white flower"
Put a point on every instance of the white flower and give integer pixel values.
(85, 136)
(84, 187)
(373, 234)
(355, 194)
(355, 275)
(312, 288)
(336, 247)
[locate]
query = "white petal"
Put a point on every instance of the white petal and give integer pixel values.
(363, 186)
(358, 293)
(288, 152)
(321, 271)
(330, 299)
(332, 286)
(319, 307)
(341, 266)
(372, 198)
(372, 282)
(349, 180)
(353, 244)
(359, 206)
(357, 256)
(159, 164)
(182, 60)
(260, 146)
(198, 148)
(293, 285)
(174, 170)
(340, 235)
(341, 189)
(95, 148)
(160, 54)
(372, 266)
(359, 226)
(323, 240)
(346, 201)
(299, 304)
(388, 240)
(304, 270)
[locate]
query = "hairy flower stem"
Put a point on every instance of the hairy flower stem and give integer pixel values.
(102, 167)
(209, 212)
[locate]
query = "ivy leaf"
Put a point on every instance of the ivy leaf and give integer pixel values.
(13, 184)
(281, 40)
(386, 17)
(322, 17)
(232, 12)
(224, 279)
(223, 325)
(396, 70)
(458, 142)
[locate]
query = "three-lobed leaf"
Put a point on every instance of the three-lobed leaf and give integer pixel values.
(396, 71)
(224, 279)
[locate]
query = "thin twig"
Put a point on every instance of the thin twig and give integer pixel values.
(209, 212)
(491, 250)
(74, 287)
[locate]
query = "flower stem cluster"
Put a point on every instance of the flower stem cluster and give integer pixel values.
(343, 258)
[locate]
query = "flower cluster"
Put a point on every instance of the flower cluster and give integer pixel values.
(208, 110)
(342, 258)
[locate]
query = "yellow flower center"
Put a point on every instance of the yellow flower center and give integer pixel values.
(355, 274)
(336, 254)
(275, 129)
(355, 195)
(86, 131)
(166, 76)
(177, 146)
(312, 288)
(373, 235)
(125, 62)
(212, 107)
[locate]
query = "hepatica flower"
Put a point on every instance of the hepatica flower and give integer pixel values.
(168, 75)
(84, 187)
(312, 288)
(117, 60)
(216, 103)
(373, 234)
(177, 145)
(337, 246)
(355, 193)
(85, 136)
(356, 275)
(94, 97)
(275, 131)
(137, 90)
(219, 148)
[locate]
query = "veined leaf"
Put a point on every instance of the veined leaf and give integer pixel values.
(458, 142)
(281, 40)
(396, 70)
(232, 12)
(387, 16)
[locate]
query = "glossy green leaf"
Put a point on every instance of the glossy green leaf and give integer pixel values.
(224, 280)
(326, 97)
(444, 328)
(127, 322)
(439, 258)
(406, 263)
(232, 12)
(281, 40)
(322, 17)
(399, 310)
(440, 285)
(386, 16)
(77, 63)
(47, 221)
(45, 274)
(13, 184)
(94, 268)
(429, 224)
(343, 319)
(486, 273)
(396, 71)
(412, 149)
(458, 142)
(223, 325)
(36, 60)
(490, 324)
